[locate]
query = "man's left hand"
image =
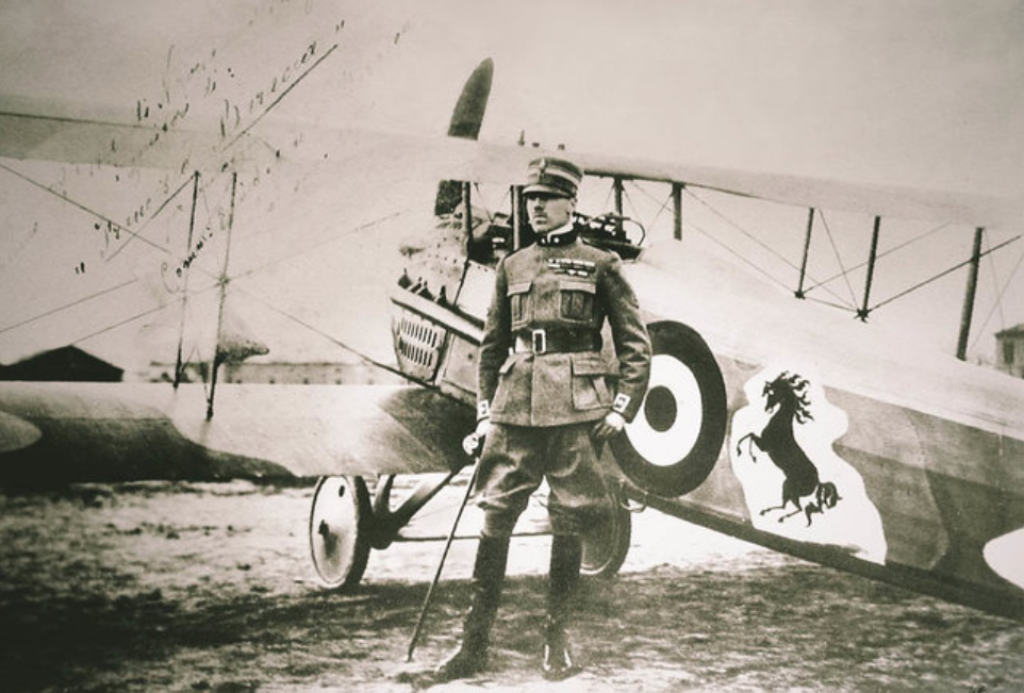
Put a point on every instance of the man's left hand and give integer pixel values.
(609, 426)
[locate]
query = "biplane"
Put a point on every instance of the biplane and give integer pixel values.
(769, 418)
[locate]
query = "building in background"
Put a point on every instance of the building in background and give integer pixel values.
(72, 364)
(283, 373)
(64, 364)
(1010, 351)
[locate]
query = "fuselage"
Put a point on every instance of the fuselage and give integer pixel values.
(917, 458)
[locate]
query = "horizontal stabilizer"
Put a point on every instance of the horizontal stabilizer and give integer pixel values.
(314, 430)
(16, 433)
(59, 432)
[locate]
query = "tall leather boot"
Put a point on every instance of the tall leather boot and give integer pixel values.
(488, 578)
(564, 576)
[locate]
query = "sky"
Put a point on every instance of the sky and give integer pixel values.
(919, 93)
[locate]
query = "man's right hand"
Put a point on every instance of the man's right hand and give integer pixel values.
(483, 426)
(473, 444)
(613, 423)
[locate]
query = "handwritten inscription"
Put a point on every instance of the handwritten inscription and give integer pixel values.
(171, 111)
(172, 274)
(221, 91)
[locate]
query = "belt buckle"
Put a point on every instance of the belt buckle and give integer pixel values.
(539, 341)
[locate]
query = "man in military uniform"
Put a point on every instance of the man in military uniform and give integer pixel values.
(546, 394)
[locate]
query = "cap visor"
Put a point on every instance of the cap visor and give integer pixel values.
(537, 188)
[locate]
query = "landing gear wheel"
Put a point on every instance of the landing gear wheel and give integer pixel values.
(672, 445)
(606, 541)
(338, 541)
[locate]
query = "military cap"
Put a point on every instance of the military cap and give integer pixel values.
(553, 176)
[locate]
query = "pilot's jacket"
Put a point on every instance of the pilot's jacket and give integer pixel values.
(540, 357)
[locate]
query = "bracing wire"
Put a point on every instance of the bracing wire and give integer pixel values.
(316, 246)
(304, 251)
(122, 285)
(661, 209)
(738, 256)
(175, 193)
(132, 235)
(273, 104)
(999, 297)
(120, 323)
(608, 196)
(742, 230)
(760, 269)
(835, 251)
(938, 276)
(995, 282)
(138, 234)
(841, 306)
(153, 216)
(80, 301)
(332, 339)
(59, 309)
(75, 203)
(491, 215)
(889, 251)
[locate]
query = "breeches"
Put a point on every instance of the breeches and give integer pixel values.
(516, 460)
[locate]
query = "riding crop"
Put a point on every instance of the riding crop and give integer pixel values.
(472, 444)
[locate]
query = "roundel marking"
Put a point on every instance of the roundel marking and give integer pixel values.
(668, 426)
(672, 445)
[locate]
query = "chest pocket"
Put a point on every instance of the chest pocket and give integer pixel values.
(577, 300)
(519, 303)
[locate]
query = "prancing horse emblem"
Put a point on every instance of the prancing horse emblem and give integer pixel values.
(787, 395)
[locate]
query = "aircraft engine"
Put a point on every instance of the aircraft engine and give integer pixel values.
(672, 445)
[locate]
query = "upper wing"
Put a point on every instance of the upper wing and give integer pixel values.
(503, 163)
(84, 134)
(299, 188)
(878, 200)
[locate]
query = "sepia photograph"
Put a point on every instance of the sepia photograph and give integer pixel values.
(674, 345)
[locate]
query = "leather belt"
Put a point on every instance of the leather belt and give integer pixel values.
(557, 341)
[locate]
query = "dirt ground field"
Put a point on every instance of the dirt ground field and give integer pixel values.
(209, 587)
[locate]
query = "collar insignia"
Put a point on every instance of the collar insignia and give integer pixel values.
(552, 239)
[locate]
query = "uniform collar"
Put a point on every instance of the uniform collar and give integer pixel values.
(563, 235)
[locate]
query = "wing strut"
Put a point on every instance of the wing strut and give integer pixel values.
(218, 355)
(518, 217)
(863, 312)
(807, 247)
(972, 285)
(467, 214)
(677, 210)
(184, 294)
(617, 189)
